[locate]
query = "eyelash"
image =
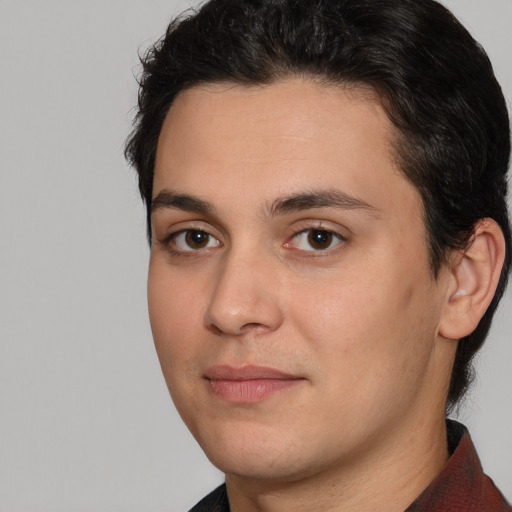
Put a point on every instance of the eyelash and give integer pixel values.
(171, 238)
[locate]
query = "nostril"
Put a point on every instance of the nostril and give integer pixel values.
(215, 329)
(251, 326)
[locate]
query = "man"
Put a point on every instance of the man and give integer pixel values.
(325, 184)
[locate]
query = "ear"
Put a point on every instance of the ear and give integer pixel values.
(474, 275)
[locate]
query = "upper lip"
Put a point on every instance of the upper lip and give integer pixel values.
(249, 372)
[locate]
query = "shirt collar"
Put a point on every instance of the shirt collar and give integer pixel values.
(462, 484)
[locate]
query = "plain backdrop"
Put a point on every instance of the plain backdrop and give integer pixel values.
(86, 424)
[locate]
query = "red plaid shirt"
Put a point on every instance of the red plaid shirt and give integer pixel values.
(461, 486)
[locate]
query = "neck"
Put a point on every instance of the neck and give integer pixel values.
(389, 478)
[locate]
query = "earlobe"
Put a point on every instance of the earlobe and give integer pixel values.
(474, 276)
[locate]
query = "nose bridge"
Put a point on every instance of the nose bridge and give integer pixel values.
(245, 296)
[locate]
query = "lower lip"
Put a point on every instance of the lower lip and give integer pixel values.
(251, 390)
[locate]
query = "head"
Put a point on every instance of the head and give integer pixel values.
(450, 126)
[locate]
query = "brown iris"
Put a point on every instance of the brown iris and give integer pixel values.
(320, 239)
(196, 239)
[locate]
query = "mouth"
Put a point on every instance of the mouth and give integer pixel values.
(248, 384)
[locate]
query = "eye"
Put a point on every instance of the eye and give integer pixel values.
(193, 240)
(315, 240)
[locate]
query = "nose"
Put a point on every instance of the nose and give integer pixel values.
(245, 298)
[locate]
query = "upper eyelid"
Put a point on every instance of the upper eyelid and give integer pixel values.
(321, 225)
(320, 228)
(172, 216)
(175, 228)
(174, 233)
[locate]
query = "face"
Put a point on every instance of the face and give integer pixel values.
(292, 305)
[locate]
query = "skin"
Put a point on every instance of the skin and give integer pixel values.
(358, 322)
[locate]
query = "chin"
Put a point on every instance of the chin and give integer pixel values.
(258, 453)
(265, 467)
(241, 447)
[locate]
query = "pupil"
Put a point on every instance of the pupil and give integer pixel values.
(197, 239)
(319, 239)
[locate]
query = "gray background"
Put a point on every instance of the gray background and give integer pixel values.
(85, 420)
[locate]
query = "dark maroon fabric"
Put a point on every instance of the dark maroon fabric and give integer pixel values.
(460, 487)
(216, 501)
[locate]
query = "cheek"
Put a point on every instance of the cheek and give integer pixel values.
(174, 305)
(370, 355)
(366, 323)
(174, 309)
(337, 310)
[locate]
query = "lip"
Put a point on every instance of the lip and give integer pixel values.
(248, 384)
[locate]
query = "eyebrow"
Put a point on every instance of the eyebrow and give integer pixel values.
(330, 198)
(169, 199)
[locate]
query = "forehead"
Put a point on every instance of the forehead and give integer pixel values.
(277, 139)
